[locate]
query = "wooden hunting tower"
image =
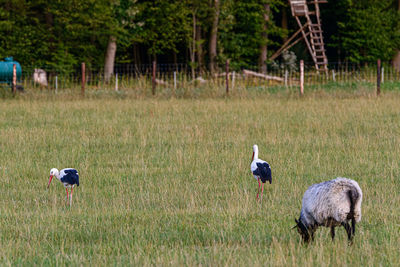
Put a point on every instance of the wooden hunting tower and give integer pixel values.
(308, 17)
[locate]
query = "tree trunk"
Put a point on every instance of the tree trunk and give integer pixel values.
(199, 49)
(213, 37)
(396, 58)
(110, 58)
(264, 46)
(175, 59)
(284, 21)
(192, 47)
(136, 54)
(49, 26)
(396, 61)
(49, 19)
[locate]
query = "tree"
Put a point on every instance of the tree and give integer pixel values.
(110, 58)
(396, 58)
(213, 36)
(247, 28)
(57, 34)
(22, 35)
(62, 34)
(165, 24)
(123, 14)
(200, 11)
(264, 34)
(369, 30)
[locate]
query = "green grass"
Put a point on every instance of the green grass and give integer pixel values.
(167, 182)
(348, 81)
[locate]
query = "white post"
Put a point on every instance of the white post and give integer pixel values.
(286, 77)
(333, 75)
(56, 83)
(383, 75)
(174, 79)
(116, 81)
(301, 77)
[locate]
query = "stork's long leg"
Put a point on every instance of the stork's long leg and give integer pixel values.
(70, 199)
(259, 184)
(66, 189)
(262, 191)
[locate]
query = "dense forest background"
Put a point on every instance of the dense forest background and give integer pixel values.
(203, 33)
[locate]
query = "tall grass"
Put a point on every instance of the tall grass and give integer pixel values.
(167, 182)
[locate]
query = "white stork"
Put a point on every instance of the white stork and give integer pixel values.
(260, 170)
(69, 177)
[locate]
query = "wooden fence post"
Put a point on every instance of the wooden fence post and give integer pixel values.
(14, 82)
(83, 67)
(378, 78)
(233, 80)
(301, 77)
(227, 76)
(153, 79)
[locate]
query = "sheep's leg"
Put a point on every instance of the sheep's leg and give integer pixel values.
(353, 226)
(333, 233)
(348, 230)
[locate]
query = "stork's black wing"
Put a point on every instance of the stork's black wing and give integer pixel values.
(264, 171)
(71, 177)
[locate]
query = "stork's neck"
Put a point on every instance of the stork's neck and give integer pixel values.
(57, 175)
(255, 152)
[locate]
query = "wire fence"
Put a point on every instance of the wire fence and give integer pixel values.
(181, 79)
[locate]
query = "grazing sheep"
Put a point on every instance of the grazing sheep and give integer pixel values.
(40, 77)
(330, 204)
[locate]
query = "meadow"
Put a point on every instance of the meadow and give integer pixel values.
(168, 182)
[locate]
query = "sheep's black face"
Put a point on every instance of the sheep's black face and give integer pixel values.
(302, 230)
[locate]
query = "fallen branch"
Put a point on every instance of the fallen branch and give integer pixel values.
(200, 80)
(263, 76)
(161, 82)
(223, 74)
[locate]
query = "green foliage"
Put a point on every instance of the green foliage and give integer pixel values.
(165, 24)
(369, 30)
(57, 33)
(242, 30)
(61, 34)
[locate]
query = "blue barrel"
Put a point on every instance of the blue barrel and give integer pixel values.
(6, 70)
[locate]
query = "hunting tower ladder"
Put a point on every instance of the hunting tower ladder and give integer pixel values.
(308, 17)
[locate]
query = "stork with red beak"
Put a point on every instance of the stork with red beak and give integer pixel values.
(260, 170)
(69, 177)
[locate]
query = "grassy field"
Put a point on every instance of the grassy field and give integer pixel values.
(168, 182)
